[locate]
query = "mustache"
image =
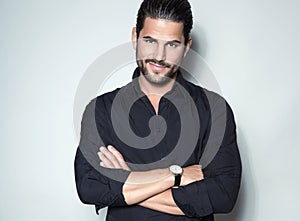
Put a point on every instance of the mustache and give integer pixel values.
(160, 63)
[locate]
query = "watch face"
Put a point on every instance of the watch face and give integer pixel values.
(175, 169)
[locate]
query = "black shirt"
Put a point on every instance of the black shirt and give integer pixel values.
(217, 193)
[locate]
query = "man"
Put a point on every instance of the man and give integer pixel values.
(141, 145)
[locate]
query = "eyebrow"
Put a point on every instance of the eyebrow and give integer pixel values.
(149, 37)
(172, 41)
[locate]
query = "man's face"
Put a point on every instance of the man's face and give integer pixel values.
(160, 49)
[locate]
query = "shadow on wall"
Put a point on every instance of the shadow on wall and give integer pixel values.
(199, 43)
(245, 206)
(194, 66)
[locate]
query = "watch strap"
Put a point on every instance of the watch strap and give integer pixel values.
(177, 180)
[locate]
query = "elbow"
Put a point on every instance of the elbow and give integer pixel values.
(226, 205)
(228, 198)
(83, 199)
(83, 195)
(91, 193)
(85, 192)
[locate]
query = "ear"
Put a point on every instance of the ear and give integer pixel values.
(133, 37)
(188, 46)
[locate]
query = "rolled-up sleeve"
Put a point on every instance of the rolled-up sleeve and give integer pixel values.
(218, 191)
(94, 187)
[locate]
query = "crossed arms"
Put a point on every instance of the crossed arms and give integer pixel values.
(197, 197)
(139, 187)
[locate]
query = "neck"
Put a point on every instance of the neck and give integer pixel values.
(154, 92)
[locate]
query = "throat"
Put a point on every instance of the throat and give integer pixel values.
(153, 92)
(154, 100)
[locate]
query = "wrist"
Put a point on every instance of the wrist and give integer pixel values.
(177, 172)
(168, 177)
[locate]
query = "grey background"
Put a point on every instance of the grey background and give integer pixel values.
(46, 46)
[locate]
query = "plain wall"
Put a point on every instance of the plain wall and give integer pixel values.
(46, 47)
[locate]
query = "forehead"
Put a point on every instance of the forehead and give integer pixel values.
(162, 29)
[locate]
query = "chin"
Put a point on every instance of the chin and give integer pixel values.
(157, 79)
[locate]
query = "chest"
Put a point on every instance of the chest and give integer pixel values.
(152, 138)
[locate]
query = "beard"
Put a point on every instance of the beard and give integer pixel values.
(155, 78)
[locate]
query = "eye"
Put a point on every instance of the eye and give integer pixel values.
(150, 41)
(173, 45)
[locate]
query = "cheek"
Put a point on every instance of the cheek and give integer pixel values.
(174, 56)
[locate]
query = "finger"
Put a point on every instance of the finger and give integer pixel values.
(115, 152)
(119, 157)
(104, 161)
(109, 156)
(124, 165)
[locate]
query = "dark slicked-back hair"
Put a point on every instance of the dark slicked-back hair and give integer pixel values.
(173, 10)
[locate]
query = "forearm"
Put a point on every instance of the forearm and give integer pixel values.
(140, 186)
(162, 202)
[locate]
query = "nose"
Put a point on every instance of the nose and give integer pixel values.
(160, 52)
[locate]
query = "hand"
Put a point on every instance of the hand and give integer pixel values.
(191, 174)
(111, 158)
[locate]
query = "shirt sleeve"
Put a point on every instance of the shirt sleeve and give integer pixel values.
(217, 192)
(92, 185)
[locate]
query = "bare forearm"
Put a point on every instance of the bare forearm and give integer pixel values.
(149, 187)
(162, 202)
(140, 186)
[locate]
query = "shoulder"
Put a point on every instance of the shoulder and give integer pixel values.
(106, 99)
(202, 95)
(100, 103)
(208, 100)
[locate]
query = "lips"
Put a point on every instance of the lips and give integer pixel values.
(156, 67)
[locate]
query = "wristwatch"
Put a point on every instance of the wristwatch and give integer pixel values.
(177, 172)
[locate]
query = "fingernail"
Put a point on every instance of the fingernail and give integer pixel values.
(110, 147)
